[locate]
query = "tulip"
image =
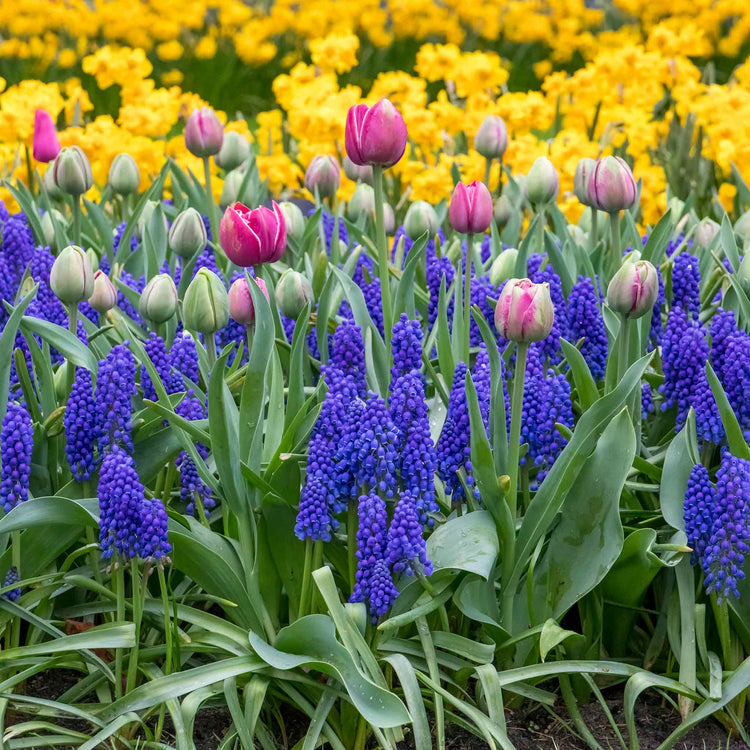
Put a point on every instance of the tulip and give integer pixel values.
(362, 202)
(491, 139)
(323, 176)
(72, 171)
(357, 173)
(633, 289)
(293, 293)
(49, 218)
(235, 151)
(420, 218)
(250, 238)
(144, 220)
(104, 297)
(504, 266)
(241, 308)
(524, 311)
(503, 211)
(204, 134)
(158, 302)
(206, 305)
(375, 135)
(705, 232)
(50, 186)
(542, 183)
(584, 170)
(46, 146)
(471, 208)
(612, 185)
(187, 235)
(293, 218)
(230, 190)
(71, 277)
(124, 176)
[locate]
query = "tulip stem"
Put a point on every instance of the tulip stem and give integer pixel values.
(616, 247)
(516, 409)
(210, 339)
(385, 287)
(594, 222)
(467, 297)
(487, 169)
(77, 219)
(73, 328)
(210, 199)
(623, 347)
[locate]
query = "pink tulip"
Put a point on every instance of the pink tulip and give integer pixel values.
(253, 237)
(241, 308)
(612, 185)
(524, 311)
(323, 175)
(46, 146)
(471, 208)
(633, 289)
(491, 139)
(204, 134)
(375, 135)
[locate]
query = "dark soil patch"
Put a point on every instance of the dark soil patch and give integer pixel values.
(536, 728)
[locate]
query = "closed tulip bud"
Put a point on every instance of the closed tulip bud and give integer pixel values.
(633, 289)
(71, 171)
(230, 190)
(362, 202)
(49, 218)
(204, 134)
(584, 170)
(542, 183)
(577, 235)
(491, 139)
(45, 146)
(471, 208)
(389, 219)
(145, 219)
(50, 185)
(503, 211)
(611, 185)
(71, 277)
(524, 311)
(241, 308)
(206, 305)
(293, 218)
(124, 176)
(253, 237)
(158, 302)
(375, 135)
(323, 176)
(357, 173)
(235, 151)
(420, 218)
(104, 297)
(187, 235)
(705, 232)
(504, 266)
(293, 293)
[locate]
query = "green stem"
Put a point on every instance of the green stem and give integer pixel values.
(615, 249)
(168, 661)
(317, 562)
(119, 582)
(721, 615)
(73, 328)
(385, 286)
(487, 169)
(306, 579)
(15, 556)
(335, 247)
(467, 297)
(77, 219)
(135, 575)
(540, 230)
(30, 171)
(428, 647)
(623, 350)
(593, 233)
(210, 208)
(210, 341)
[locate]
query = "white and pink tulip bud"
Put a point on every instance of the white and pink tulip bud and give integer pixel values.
(633, 289)
(524, 311)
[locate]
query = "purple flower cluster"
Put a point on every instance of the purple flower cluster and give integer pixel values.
(81, 433)
(405, 548)
(192, 487)
(184, 360)
(157, 352)
(115, 388)
(698, 512)
(686, 279)
(17, 245)
(16, 444)
(12, 577)
(406, 345)
(585, 322)
(130, 524)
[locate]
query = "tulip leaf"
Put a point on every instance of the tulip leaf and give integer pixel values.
(682, 455)
(70, 346)
(7, 345)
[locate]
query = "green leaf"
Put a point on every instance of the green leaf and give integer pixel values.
(735, 438)
(588, 393)
(467, 542)
(729, 243)
(552, 635)
(414, 701)
(43, 511)
(311, 642)
(404, 299)
(7, 344)
(682, 456)
(70, 346)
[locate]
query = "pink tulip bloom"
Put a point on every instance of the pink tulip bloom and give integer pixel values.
(253, 237)
(204, 134)
(524, 311)
(471, 208)
(612, 185)
(241, 308)
(46, 146)
(375, 135)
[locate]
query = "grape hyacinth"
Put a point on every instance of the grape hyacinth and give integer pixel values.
(119, 232)
(346, 371)
(724, 556)
(647, 400)
(686, 281)
(550, 347)
(12, 577)
(16, 444)
(406, 344)
(17, 245)
(115, 387)
(157, 352)
(81, 433)
(723, 325)
(700, 499)
(405, 547)
(191, 484)
(373, 583)
(735, 377)
(184, 360)
(656, 329)
(585, 322)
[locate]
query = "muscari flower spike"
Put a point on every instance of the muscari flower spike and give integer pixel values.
(735, 377)
(17, 245)
(184, 359)
(686, 279)
(723, 325)
(12, 577)
(157, 352)
(192, 487)
(115, 387)
(81, 430)
(698, 511)
(405, 547)
(585, 322)
(724, 556)
(406, 345)
(16, 444)
(346, 371)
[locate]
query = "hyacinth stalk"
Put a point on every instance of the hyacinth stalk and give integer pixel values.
(385, 286)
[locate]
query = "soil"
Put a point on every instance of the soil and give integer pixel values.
(537, 728)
